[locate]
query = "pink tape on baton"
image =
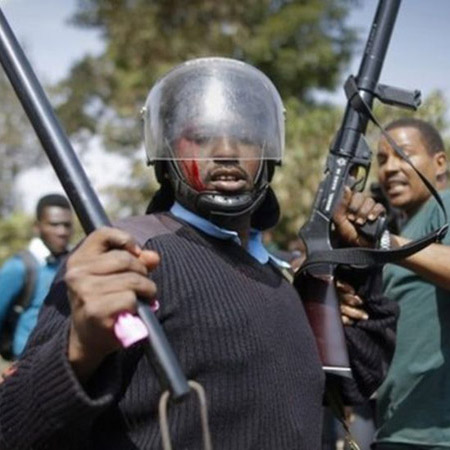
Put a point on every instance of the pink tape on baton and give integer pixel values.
(130, 329)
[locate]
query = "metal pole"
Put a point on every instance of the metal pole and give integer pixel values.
(77, 187)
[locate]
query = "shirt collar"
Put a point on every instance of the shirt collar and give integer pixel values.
(39, 250)
(255, 245)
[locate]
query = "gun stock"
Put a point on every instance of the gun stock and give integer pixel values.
(321, 302)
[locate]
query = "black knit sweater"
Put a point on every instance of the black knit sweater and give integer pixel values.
(238, 328)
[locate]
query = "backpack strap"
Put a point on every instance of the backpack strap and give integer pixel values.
(19, 304)
(23, 300)
(149, 226)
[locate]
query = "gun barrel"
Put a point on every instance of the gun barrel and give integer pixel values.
(377, 44)
(371, 64)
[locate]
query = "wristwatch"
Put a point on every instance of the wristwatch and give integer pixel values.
(385, 240)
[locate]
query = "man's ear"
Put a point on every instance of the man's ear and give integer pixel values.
(440, 159)
(441, 166)
(36, 228)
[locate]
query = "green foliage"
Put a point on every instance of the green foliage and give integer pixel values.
(15, 232)
(308, 136)
(19, 149)
(135, 196)
(300, 44)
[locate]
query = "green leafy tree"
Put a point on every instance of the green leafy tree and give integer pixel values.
(15, 232)
(300, 45)
(19, 148)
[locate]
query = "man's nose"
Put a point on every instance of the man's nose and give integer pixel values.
(225, 149)
(392, 163)
(63, 230)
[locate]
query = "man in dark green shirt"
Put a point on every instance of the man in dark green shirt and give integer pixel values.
(414, 400)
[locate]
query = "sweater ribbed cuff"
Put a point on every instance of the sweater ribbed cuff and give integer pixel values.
(62, 390)
(55, 398)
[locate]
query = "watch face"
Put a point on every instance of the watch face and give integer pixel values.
(385, 241)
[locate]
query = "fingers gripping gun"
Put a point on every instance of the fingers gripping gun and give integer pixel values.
(348, 164)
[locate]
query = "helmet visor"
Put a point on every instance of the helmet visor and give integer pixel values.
(214, 108)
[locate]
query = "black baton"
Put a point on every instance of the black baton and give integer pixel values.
(77, 187)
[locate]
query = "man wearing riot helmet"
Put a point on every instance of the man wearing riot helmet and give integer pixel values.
(221, 122)
(214, 131)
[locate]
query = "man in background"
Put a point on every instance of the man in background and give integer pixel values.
(25, 278)
(413, 401)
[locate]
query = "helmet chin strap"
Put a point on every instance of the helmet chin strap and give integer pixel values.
(216, 206)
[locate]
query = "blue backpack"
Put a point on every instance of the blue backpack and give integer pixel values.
(19, 305)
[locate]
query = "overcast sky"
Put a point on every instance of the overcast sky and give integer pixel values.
(52, 44)
(418, 58)
(418, 55)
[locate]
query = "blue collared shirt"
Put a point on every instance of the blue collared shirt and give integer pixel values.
(255, 246)
(12, 280)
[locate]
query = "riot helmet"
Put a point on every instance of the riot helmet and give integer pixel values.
(220, 110)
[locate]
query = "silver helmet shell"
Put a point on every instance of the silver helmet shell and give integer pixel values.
(207, 99)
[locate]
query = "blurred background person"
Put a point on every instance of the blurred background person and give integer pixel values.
(412, 403)
(25, 278)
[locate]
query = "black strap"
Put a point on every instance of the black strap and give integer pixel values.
(365, 257)
(31, 270)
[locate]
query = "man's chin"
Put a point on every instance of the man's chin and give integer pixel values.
(58, 250)
(399, 201)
